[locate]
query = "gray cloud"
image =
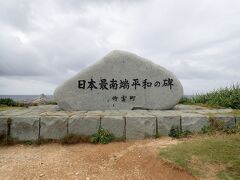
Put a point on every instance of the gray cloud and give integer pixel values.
(45, 42)
(15, 14)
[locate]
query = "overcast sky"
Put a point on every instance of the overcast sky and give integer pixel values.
(44, 42)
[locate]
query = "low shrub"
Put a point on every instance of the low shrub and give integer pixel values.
(11, 102)
(7, 102)
(102, 136)
(216, 125)
(185, 100)
(233, 130)
(176, 132)
(224, 97)
(207, 130)
(51, 103)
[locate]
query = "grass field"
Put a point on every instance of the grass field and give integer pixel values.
(207, 156)
(4, 108)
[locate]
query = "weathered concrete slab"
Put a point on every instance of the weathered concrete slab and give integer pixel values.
(112, 113)
(86, 125)
(56, 113)
(140, 127)
(94, 113)
(114, 124)
(139, 123)
(164, 124)
(194, 122)
(229, 120)
(25, 128)
(3, 125)
(53, 127)
(165, 113)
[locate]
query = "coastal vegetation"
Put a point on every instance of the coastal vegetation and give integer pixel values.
(228, 97)
(207, 156)
(8, 102)
(212, 153)
(102, 136)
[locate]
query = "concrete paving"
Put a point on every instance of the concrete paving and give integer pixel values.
(47, 122)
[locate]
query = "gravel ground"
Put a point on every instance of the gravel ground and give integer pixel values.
(118, 160)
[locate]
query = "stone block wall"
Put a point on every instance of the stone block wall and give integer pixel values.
(125, 125)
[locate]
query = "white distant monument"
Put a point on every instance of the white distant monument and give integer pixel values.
(120, 81)
(42, 99)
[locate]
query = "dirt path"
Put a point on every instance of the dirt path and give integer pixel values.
(120, 160)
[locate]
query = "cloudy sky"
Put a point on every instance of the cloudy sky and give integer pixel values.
(43, 43)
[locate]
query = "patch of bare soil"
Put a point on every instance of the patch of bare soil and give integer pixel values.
(119, 160)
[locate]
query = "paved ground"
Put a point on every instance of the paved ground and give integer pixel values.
(53, 110)
(121, 160)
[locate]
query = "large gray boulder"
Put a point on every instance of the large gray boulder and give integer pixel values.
(121, 80)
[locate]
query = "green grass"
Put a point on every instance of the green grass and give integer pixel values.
(225, 97)
(102, 136)
(11, 103)
(5, 108)
(235, 112)
(203, 151)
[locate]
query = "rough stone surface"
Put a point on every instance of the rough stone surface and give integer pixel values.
(3, 125)
(114, 124)
(140, 124)
(194, 122)
(229, 121)
(162, 91)
(165, 123)
(238, 121)
(85, 125)
(140, 127)
(53, 127)
(25, 128)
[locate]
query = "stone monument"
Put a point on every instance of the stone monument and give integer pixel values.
(120, 81)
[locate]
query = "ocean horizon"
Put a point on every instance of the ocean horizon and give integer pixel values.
(25, 97)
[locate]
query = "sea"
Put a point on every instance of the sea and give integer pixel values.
(25, 97)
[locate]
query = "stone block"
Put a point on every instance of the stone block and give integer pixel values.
(25, 128)
(194, 122)
(229, 120)
(140, 127)
(53, 127)
(114, 124)
(238, 121)
(83, 125)
(3, 125)
(164, 124)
